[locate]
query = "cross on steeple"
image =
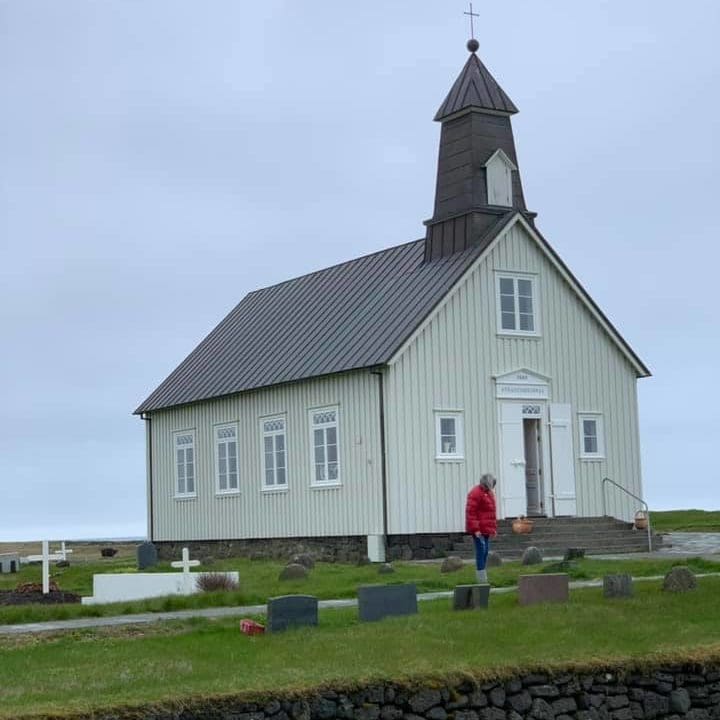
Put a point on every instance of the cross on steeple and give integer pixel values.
(472, 15)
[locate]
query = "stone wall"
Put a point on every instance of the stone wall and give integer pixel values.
(421, 547)
(678, 692)
(327, 549)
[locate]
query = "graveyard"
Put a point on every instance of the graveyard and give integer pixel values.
(531, 619)
(259, 580)
(200, 661)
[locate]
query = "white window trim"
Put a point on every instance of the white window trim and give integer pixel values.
(186, 495)
(536, 333)
(317, 484)
(220, 426)
(459, 455)
(600, 426)
(273, 489)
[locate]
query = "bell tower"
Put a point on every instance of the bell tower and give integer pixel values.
(478, 181)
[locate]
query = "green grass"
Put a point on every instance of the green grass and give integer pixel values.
(259, 580)
(92, 670)
(686, 520)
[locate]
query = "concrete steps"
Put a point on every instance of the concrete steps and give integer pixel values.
(553, 536)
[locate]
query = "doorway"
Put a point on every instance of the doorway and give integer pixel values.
(532, 438)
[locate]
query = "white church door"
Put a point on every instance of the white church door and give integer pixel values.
(522, 458)
(563, 460)
(513, 494)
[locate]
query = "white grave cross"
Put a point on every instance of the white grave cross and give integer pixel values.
(46, 557)
(186, 563)
(63, 551)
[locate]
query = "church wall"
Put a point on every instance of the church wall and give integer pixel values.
(353, 509)
(450, 366)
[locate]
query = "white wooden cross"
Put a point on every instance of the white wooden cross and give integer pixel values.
(186, 563)
(63, 551)
(46, 557)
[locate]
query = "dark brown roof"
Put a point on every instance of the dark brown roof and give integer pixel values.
(475, 88)
(349, 316)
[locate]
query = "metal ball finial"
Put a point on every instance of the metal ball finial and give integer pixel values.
(473, 45)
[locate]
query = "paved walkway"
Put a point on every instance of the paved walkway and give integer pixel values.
(220, 612)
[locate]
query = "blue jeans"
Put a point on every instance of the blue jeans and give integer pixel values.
(482, 548)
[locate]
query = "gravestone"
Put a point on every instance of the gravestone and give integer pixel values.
(293, 571)
(534, 589)
(493, 559)
(471, 597)
(291, 611)
(680, 579)
(378, 601)
(531, 556)
(618, 586)
(574, 553)
(451, 564)
(305, 559)
(147, 555)
(9, 562)
(185, 564)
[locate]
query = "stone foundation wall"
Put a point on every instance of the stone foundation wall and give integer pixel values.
(352, 548)
(679, 692)
(421, 547)
(326, 549)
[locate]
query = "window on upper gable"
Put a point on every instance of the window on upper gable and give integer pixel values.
(499, 169)
(517, 304)
(184, 463)
(592, 436)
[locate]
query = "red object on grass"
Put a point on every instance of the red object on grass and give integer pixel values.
(250, 627)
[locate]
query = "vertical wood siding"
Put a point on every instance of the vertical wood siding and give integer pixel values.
(451, 364)
(355, 508)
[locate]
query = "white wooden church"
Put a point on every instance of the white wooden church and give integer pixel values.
(360, 403)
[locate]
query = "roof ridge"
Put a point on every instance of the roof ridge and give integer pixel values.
(336, 265)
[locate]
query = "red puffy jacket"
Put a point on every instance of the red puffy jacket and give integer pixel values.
(480, 514)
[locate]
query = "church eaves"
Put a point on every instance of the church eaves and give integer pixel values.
(475, 88)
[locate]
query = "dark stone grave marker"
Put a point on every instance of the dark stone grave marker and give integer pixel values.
(534, 589)
(618, 586)
(147, 555)
(378, 601)
(291, 611)
(471, 597)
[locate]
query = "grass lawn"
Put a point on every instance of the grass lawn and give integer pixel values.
(686, 520)
(174, 662)
(259, 580)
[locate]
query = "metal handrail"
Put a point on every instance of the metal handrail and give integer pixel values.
(632, 495)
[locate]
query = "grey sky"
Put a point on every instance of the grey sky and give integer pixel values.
(161, 158)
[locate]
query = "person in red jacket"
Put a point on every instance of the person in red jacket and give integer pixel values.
(481, 521)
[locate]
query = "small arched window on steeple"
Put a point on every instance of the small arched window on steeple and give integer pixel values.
(499, 170)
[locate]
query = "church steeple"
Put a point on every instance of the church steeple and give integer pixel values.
(478, 179)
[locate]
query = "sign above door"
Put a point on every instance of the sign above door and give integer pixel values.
(522, 385)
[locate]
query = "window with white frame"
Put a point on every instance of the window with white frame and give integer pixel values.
(185, 463)
(274, 454)
(517, 304)
(326, 458)
(226, 458)
(592, 436)
(449, 441)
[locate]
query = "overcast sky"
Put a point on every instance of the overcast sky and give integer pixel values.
(161, 158)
